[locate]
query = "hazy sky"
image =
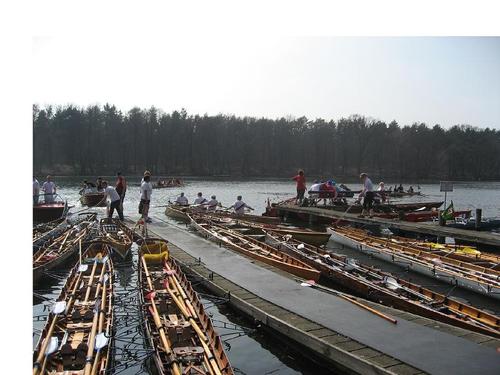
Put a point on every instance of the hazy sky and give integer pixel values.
(434, 80)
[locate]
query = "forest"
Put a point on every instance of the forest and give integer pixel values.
(92, 140)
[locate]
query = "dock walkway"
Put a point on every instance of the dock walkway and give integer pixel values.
(486, 238)
(350, 337)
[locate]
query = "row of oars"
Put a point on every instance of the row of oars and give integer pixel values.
(95, 341)
(184, 304)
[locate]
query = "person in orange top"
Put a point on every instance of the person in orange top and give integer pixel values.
(301, 186)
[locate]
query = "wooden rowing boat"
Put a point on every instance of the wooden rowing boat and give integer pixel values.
(168, 183)
(304, 235)
(117, 235)
(473, 277)
(181, 213)
(94, 199)
(44, 212)
(75, 339)
(252, 248)
(382, 287)
(176, 325)
(462, 253)
(58, 250)
(178, 212)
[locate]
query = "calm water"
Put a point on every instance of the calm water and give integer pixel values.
(250, 349)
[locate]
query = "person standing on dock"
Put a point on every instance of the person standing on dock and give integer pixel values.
(36, 191)
(301, 185)
(367, 194)
(239, 206)
(111, 193)
(121, 188)
(49, 190)
(146, 191)
(182, 200)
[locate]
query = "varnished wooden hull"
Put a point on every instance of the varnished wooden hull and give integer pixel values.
(285, 263)
(43, 213)
(93, 200)
(442, 308)
(117, 235)
(80, 322)
(181, 337)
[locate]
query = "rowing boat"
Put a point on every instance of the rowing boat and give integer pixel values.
(58, 250)
(469, 276)
(382, 287)
(117, 235)
(93, 199)
(75, 339)
(252, 248)
(178, 212)
(49, 211)
(304, 235)
(176, 325)
(181, 213)
(462, 253)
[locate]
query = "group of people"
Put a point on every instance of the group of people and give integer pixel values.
(328, 190)
(48, 188)
(211, 205)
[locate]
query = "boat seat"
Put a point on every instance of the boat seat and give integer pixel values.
(189, 354)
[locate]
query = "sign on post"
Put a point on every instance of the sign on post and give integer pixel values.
(446, 186)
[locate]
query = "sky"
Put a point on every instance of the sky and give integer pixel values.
(436, 80)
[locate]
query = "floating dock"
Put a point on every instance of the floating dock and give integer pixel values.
(349, 338)
(486, 238)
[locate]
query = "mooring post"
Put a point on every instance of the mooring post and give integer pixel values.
(442, 222)
(479, 218)
(312, 219)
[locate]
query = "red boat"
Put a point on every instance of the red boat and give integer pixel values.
(44, 212)
(419, 216)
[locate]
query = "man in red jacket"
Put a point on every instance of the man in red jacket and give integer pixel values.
(301, 186)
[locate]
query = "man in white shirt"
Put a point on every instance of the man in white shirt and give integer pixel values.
(212, 204)
(182, 200)
(200, 199)
(239, 206)
(36, 190)
(367, 194)
(111, 193)
(146, 191)
(49, 190)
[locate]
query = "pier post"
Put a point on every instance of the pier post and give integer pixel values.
(479, 218)
(440, 217)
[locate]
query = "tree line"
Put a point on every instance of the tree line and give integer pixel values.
(96, 140)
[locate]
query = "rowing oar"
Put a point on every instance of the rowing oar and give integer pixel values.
(100, 339)
(189, 312)
(58, 308)
(355, 302)
(160, 327)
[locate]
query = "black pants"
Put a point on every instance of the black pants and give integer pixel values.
(116, 204)
(368, 200)
(300, 194)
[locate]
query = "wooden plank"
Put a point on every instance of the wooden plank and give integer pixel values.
(366, 352)
(350, 345)
(385, 361)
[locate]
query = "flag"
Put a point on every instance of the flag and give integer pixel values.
(448, 213)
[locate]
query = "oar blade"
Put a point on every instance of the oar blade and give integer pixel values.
(59, 307)
(52, 346)
(83, 268)
(101, 341)
(392, 283)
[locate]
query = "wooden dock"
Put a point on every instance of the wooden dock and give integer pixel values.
(486, 238)
(349, 338)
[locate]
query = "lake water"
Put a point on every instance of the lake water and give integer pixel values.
(256, 351)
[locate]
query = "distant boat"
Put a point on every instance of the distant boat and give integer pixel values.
(93, 199)
(168, 183)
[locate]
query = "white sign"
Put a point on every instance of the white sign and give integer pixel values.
(446, 186)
